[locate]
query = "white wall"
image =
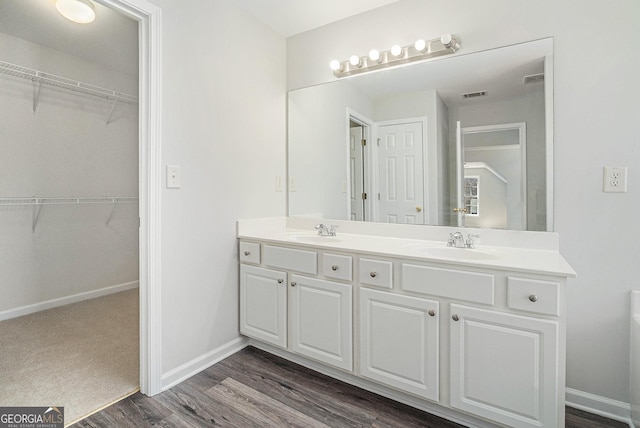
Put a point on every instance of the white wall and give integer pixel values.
(223, 122)
(318, 150)
(596, 108)
(64, 149)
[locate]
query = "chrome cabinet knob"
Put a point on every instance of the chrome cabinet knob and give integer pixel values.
(246, 253)
(280, 281)
(293, 284)
(373, 274)
(455, 317)
(334, 267)
(432, 313)
(533, 298)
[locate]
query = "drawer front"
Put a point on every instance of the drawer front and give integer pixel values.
(533, 295)
(337, 267)
(449, 283)
(290, 259)
(250, 252)
(376, 272)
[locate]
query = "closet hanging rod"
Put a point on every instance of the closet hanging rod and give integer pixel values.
(37, 200)
(64, 83)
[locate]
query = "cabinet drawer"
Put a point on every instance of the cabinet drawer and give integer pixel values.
(450, 283)
(337, 267)
(376, 272)
(533, 295)
(250, 252)
(290, 259)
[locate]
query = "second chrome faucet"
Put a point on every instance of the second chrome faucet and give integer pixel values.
(456, 239)
(324, 230)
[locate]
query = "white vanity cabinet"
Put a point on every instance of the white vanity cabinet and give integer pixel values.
(504, 367)
(504, 356)
(478, 342)
(321, 320)
(399, 341)
(285, 302)
(263, 304)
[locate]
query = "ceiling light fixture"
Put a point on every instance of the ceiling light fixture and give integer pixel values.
(80, 11)
(397, 55)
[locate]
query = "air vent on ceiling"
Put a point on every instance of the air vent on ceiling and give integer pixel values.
(533, 78)
(474, 94)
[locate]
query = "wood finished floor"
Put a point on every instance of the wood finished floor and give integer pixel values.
(255, 389)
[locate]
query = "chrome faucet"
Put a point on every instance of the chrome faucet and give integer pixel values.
(469, 243)
(324, 230)
(456, 239)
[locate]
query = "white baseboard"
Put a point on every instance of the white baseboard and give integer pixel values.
(190, 368)
(612, 409)
(61, 301)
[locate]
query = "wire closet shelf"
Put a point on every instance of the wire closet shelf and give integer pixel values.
(41, 77)
(37, 202)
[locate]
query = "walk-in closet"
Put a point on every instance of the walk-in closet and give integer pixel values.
(69, 219)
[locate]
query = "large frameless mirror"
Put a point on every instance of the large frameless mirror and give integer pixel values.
(459, 141)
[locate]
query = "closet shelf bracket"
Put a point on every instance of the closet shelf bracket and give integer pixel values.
(113, 106)
(113, 208)
(37, 208)
(37, 87)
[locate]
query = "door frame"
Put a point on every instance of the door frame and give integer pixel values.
(427, 205)
(369, 134)
(149, 19)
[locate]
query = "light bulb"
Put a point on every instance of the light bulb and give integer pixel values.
(354, 60)
(335, 65)
(396, 50)
(80, 11)
(374, 55)
(420, 45)
(446, 39)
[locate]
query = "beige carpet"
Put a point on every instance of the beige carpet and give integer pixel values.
(81, 356)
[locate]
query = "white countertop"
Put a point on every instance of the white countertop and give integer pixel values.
(535, 259)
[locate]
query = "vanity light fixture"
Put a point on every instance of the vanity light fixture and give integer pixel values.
(420, 50)
(80, 11)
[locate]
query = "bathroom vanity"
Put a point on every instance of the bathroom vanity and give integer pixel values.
(476, 335)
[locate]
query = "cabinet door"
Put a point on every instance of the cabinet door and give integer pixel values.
(321, 320)
(399, 342)
(504, 367)
(263, 304)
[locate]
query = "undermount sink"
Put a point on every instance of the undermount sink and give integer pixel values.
(460, 253)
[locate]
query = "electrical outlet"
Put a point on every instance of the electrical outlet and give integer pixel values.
(278, 183)
(292, 184)
(614, 179)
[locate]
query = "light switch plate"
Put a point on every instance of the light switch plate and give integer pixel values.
(614, 179)
(173, 177)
